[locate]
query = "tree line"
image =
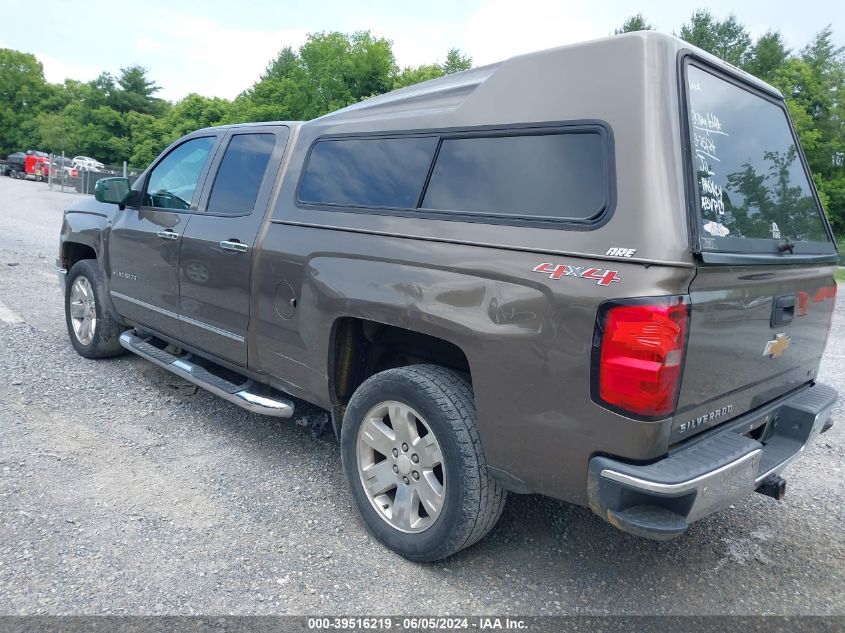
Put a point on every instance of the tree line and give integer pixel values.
(116, 118)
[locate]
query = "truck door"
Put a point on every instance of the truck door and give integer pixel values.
(144, 241)
(217, 246)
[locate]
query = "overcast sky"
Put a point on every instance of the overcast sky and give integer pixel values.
(220, 48)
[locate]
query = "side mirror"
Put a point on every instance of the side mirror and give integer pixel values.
(112, 190)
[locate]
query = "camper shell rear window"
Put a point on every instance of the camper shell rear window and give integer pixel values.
(751, 187)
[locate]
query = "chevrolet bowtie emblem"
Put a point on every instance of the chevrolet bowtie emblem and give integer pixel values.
(776, 347)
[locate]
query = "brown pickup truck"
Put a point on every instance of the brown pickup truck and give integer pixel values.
(600, 273)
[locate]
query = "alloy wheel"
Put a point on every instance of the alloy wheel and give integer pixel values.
(83, 310)
(401, 467)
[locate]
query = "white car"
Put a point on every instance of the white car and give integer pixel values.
(88, 164)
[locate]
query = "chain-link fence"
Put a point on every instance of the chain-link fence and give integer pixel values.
(71, 175)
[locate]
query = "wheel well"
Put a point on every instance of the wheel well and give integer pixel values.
(361, 348)
(73, 252)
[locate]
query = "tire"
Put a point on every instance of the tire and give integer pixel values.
(101, 340)
(438, 401)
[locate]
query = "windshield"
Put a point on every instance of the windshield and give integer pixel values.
(752, 191)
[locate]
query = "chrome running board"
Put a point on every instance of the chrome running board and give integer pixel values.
(249, 394)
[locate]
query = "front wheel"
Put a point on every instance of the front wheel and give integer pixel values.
(93, 327)
(414, 464)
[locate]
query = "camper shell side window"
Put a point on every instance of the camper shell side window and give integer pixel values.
(558, 175)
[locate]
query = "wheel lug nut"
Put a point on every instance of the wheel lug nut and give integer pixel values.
(395, 453)
(404, 447)
(415, 458)
(415, 475)
(395, 469)
(405, 481)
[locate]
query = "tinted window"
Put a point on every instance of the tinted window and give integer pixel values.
(750, 181)
(543, 176)
(172, 183)
(374, 172)
(240, 175)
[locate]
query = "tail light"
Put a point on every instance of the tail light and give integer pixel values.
(638, 355)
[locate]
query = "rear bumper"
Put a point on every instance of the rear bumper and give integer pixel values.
(661, 499)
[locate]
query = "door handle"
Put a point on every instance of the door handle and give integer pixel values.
(168, 234)
(783, 310)
(234, 245)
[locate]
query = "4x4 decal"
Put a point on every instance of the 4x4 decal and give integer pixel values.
(601, 277)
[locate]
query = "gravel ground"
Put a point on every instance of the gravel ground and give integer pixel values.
(126, 491)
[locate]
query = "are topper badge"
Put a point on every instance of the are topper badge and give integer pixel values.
(600, 276)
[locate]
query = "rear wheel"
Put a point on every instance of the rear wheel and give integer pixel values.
(414, 463)
(93, 327)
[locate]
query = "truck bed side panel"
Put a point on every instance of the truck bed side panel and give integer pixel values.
(519, 329)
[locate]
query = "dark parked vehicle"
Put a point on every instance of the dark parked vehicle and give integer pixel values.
(599, 273)
(16, 165)
(63, 168)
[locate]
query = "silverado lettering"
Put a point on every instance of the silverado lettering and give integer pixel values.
(704, 419)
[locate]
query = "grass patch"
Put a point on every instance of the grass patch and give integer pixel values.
(840, 274)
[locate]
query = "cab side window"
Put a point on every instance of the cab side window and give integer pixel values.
(172, 182)
(241, 173)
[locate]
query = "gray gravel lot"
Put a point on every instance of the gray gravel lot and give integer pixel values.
(125, 491)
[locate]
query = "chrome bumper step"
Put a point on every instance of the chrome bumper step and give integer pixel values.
(248, 394)
(660, 500)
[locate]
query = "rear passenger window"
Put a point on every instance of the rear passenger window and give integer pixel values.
(383, 172)
(241, 173)
(543, 176)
